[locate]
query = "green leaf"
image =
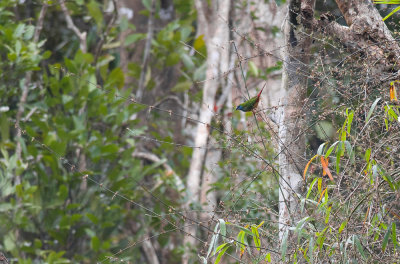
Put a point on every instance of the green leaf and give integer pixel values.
(359, 246)
(200, 45)
(6, 207)
(367, 155)
(349, 150)
(147, 4)
(218, 259)
(371, 110)
(253, 69)
(328, 213)
(342, 226)
(181, 87)
(115, 78)
(394, 236)
(391, 13)
(311, 250)
(95, 243)
(132, 38)
(222, 227)
(187, 61)
(92, 218)
(349, 121)
(338, 156)
(30, 29)
(172, 59)
(18, 47)
(19, 30)
(219, 248)
(386, 238)
(331, 148)
(95, 13)
(268, 257)
(256, 237)
(320, 149)
(284, 244)
(213, 240)
(311, 186)
(200, 73)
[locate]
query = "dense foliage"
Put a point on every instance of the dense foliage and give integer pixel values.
(90, 174)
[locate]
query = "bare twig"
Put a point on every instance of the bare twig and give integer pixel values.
(71, 25)
(173, 98)
(139, 92)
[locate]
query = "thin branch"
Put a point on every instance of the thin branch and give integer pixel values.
(150, 25)
(71, 25)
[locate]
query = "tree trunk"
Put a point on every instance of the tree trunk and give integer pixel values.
(292, 115)
(366, 33)
(216, 35)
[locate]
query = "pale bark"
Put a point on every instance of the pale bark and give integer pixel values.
(150, 252)
(269, 14)
(292, 116)
(365, 32)
(216, 36)
(70, 24)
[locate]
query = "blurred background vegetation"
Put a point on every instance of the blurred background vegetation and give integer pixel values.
(98, 106)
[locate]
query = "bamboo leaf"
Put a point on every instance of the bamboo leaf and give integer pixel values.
(256, 237)
(391, 13)
(349, 121)
(331, 148)
(342, 226)
(222, 227)
(253, 69)
(367, 155)
(268, 257)
(320, 149)
(213, 240)
(311, 250)
(218, 259)
(371, 110)
(359, 246)
(386, 238)
(308, 164)
(322, 194)
(328, 213)
(392, 92)
(394, 236)
(390, 2)
(284, 245)
(311, 186)
(324, 163)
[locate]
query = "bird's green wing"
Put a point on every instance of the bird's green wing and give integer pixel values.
(249, 104)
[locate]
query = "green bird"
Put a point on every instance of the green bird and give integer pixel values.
(250, 104)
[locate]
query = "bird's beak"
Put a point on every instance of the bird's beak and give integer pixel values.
(237, 108)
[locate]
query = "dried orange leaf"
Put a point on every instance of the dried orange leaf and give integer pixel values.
(322, 194)
(325, 168)
(242, 252)
(308, 164)
(392, 92)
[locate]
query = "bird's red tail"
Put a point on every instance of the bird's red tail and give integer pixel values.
(258, 95)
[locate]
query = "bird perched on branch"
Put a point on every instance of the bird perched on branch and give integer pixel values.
(250, 104)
